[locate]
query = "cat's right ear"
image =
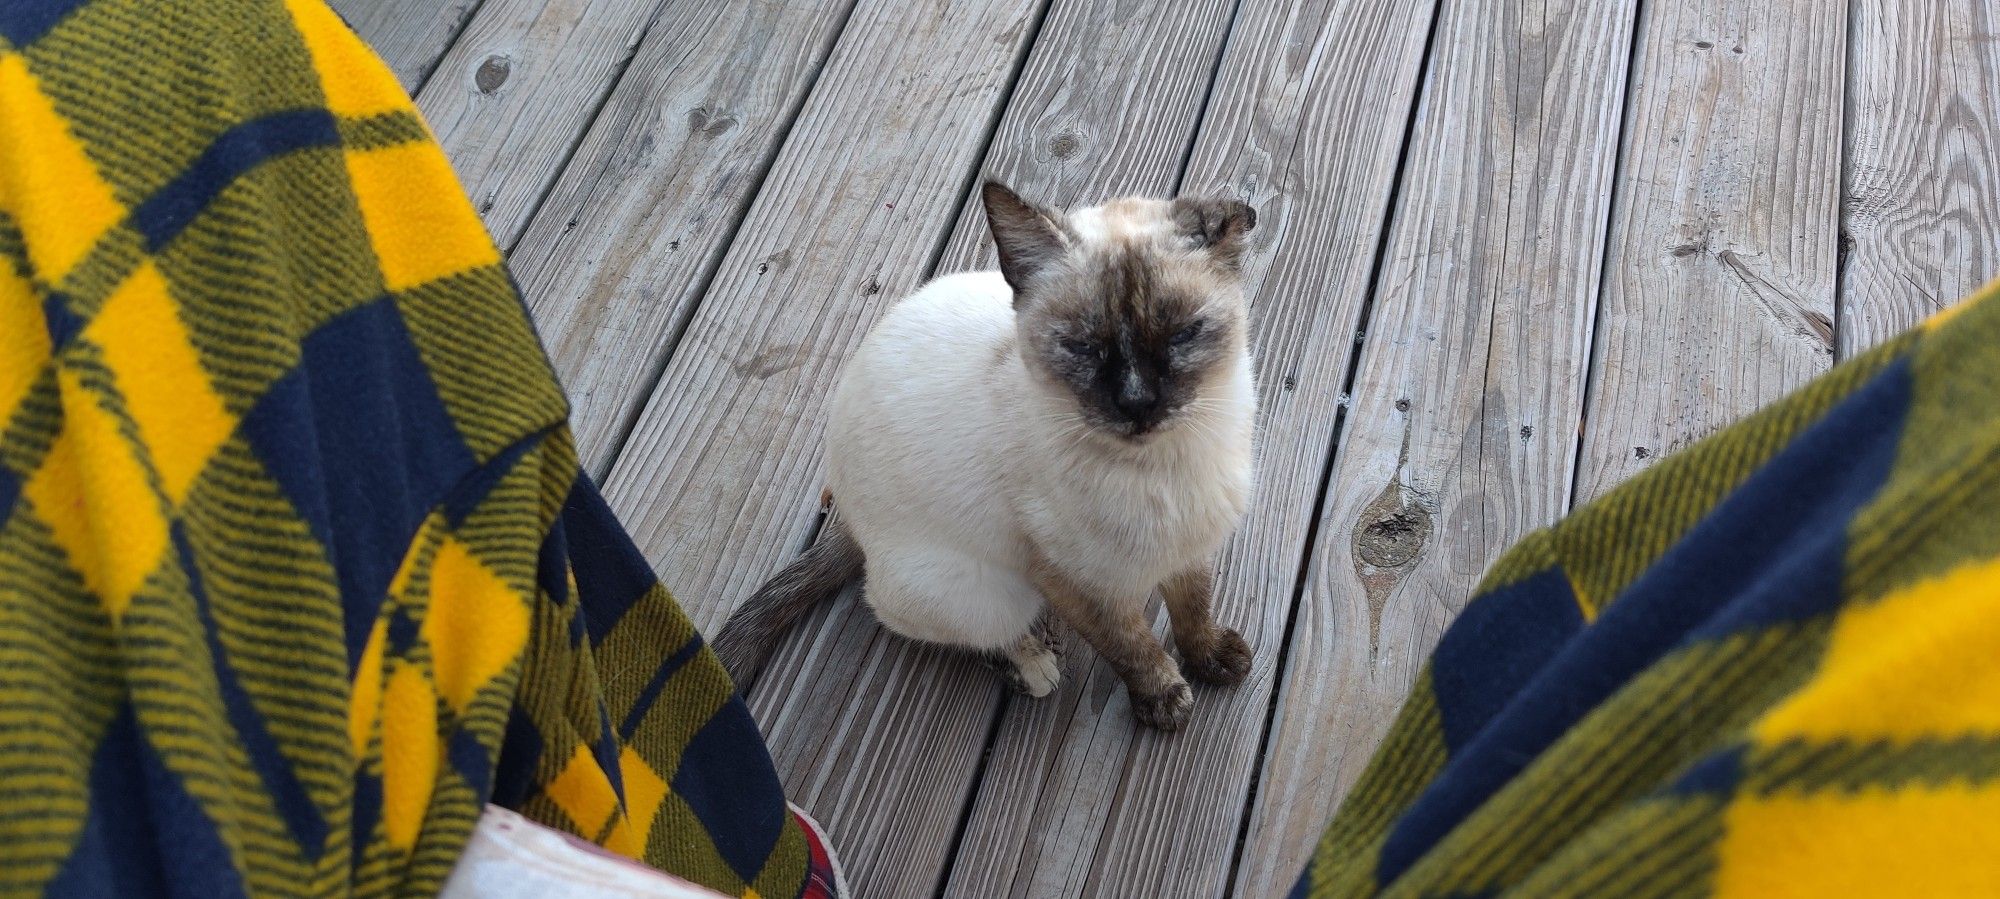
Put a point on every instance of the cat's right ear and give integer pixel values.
(1029, 238)
(1215, 225)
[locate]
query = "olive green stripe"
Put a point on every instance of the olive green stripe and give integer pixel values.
(37, 418)
(783, 869)
(382, 130)
(1652, 852)
(14, 249)
(1809, 766)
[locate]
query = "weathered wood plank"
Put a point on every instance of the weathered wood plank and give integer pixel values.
(410, 35)
(1462, 429)
(513, 95)
(1719, 283)
(615, 262)
(719, 480)
(1923, 163)
(1107, 104)
(1078, 799)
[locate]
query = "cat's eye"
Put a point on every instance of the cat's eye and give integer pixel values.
(1187, 334)
(1076, 347)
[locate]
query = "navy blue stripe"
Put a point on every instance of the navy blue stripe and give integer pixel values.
(357, 438)
(10, 492)
(725, 777)
(238, 150)
(470, 758)
(1302, 888)
(145, 835)
(23, 22)
(473, 490)
(651, 694)
(552, 567)
(367, 814)
(606, 751)
(401, 633)
(1497, 645)
(63, 324)
(520, 752)
(611, 575)
(287, 794)
(1716, 775)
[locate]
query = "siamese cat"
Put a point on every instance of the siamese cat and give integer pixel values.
(1070, 432)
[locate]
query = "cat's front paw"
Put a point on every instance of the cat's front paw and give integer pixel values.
(1226, 662)
(1167, 709)
(1037, 674)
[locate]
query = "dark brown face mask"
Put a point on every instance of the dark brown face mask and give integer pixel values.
(1133, 324)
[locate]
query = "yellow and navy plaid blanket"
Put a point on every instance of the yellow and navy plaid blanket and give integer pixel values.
(1769, 666)
(297, 570)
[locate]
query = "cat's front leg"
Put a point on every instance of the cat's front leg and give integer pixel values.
(1118, 630)
(1212, 653)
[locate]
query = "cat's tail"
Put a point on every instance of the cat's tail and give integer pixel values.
(754, 629)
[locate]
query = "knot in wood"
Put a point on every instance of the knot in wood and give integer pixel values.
(1393, 529)
(709, 121)
(492, 73)
(1393, 540)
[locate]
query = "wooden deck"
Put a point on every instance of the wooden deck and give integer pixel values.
(1509, 253)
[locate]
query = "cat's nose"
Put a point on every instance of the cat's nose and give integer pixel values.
(1138, 401)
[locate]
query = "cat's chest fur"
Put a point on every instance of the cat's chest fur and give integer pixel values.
(1122, 523)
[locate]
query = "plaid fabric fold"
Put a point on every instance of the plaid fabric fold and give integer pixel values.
(297, 568)
(1768, 666)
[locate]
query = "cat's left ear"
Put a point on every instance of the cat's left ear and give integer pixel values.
(1028, 237)
(1215, 225)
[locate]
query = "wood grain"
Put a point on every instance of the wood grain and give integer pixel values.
(410, 35)
(1719, 284)
(719, 481)
(1078, 799)
(1462, 428)
(616, 261)
(513, 96)
(1106, 106)
(1922, 212)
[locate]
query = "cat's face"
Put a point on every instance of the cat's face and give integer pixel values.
(1134, 308)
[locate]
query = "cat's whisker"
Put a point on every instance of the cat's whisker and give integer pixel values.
(1205, 430)
(1080, 437)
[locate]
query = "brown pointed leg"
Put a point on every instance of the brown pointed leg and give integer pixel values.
(1213, 654)
(1118, 630)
